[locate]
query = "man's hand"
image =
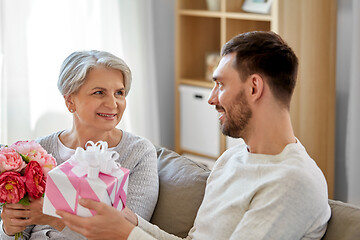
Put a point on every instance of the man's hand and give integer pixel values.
(15, 218)
(108, 223)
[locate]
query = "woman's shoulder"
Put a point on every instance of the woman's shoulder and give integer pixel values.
(48, 138)
(130, 139)
(48, 142)
(133, 145)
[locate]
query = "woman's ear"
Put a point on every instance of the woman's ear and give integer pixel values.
(256, 87)
(69, 103)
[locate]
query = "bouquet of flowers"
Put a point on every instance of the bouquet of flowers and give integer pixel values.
(24, 166)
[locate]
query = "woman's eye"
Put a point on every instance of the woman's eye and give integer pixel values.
(98, 92)
(120, 93)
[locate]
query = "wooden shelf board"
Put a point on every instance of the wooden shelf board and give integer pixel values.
(232, 15)
(248, 16)
(200, 13)
(197, 82)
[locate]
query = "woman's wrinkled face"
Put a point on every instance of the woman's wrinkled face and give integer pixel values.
(100, 102)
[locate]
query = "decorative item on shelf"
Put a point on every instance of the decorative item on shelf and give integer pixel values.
(213, 5)
(211, 61)
(257, 6)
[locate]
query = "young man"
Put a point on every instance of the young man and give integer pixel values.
(267, 188)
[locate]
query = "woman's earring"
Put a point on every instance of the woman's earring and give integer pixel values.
(71, 110)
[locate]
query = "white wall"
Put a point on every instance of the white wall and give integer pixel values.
(164, 21)
(344, 23)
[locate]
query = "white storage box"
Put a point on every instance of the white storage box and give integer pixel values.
(199, 123)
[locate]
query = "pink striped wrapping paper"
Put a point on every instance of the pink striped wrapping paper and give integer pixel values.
(64, 188)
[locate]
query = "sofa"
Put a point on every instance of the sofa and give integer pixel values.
(182, 185)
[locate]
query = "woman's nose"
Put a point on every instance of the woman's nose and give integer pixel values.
(111, 102)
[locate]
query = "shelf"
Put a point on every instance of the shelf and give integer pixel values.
(198, 36)
(309, 28)
(200, 13)
(197, 82)
(236, 26)
(192, 4)
(248, 16)
(219, 14)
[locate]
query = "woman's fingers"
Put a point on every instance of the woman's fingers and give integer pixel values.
(16, 213)
(15, 206)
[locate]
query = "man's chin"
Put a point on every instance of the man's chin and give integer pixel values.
(229, 132)
(225, 130)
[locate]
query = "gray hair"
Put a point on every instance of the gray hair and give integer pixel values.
(77, 65)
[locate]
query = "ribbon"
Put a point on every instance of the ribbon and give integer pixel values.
(114, 188)
(94, 159)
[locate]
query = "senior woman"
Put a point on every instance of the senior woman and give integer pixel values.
(94, 85)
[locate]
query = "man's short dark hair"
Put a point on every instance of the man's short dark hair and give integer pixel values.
(266, 54)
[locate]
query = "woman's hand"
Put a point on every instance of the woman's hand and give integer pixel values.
(108, 223)
(37, 217)
(15, 218)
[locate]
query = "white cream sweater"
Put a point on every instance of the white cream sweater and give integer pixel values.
(254, 196)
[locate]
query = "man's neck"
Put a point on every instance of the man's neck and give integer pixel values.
(271, 134)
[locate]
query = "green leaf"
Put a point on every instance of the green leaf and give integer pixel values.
(25, 158)
(25, 201)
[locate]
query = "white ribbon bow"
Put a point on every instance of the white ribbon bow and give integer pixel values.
(96, 158)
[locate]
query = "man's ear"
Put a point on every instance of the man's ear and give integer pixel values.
(256, 87)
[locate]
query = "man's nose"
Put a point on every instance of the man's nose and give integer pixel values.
(213, 98)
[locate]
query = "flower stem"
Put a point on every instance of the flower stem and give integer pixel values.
(19, 235)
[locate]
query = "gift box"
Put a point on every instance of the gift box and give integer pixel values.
(91, 173)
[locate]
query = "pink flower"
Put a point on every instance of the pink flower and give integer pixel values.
(33, 151)
(34, 180)
(12, 187)
(10, 160)
(47, 162)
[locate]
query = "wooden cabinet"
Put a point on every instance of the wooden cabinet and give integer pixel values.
(309, 27)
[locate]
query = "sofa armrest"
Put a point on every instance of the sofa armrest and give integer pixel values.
(344, 223)
(182, 186)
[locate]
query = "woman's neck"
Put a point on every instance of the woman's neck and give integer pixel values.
(76, 138)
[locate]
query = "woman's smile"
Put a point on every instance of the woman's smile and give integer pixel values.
(107, 115)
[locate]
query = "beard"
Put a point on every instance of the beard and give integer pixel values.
(237, 117)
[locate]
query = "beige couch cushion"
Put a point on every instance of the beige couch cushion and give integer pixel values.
(344, 222)
(182, 186)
